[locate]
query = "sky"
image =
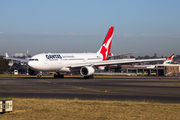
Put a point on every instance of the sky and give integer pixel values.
(143, 26)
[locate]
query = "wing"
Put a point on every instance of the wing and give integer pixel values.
(121, 54)
(17, 59)
(113, 62)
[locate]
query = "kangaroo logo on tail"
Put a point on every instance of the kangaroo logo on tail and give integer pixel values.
(169, 60)
(106, 46)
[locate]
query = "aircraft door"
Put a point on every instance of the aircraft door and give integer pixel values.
(59, 61)
(85, 59)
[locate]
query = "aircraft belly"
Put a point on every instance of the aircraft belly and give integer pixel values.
(50, 66)
(53, 67)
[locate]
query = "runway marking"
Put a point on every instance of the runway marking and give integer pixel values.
(151, 79)
(105, 91)
(120, 79)
(74, 86)
(108, 91)
(63, 89)
(174, 84)
(24, 90)
(3, 89)
(85, 89)
(43, 81)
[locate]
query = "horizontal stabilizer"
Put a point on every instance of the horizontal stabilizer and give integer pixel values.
(17, 59)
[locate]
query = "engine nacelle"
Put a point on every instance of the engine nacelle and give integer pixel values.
(87, 71)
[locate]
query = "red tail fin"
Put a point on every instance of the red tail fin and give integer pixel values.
(106, 46)
(169, 59)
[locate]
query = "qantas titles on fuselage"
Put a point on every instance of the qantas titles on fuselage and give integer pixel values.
(56, 57)
(53, 57)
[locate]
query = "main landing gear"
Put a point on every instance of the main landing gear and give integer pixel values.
(89, 77)
(39, 76)
(58, 75)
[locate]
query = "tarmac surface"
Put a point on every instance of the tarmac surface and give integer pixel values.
(151, 89)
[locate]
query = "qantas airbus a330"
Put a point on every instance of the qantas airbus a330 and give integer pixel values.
(85, 63)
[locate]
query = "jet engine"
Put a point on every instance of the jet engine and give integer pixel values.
(87, 71)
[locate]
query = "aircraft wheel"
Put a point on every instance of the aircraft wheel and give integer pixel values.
(89, 77)
(55, 76)
(39, 76)
(92, 76)
(61, 76)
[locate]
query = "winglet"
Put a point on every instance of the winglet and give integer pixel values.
(7, 55)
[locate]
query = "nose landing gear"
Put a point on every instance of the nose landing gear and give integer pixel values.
(39, 76)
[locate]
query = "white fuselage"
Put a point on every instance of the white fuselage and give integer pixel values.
(56, 62)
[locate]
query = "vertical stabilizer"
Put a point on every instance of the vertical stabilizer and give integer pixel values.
(106, 46)
(169, 59)
(6, 55)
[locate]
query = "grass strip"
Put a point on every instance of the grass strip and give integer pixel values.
(59, 109)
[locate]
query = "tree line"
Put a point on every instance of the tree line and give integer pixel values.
(3, 65)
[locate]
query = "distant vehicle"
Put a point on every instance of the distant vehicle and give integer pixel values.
(153, 72)
(15, 72)
(146, 73)
(85, 63)
(139, 72)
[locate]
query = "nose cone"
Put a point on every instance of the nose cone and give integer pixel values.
(32, 65)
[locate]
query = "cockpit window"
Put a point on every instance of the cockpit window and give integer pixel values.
(33, 60)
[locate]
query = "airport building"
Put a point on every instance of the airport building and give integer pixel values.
(147, 70)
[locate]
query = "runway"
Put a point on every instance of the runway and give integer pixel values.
(166, 90)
